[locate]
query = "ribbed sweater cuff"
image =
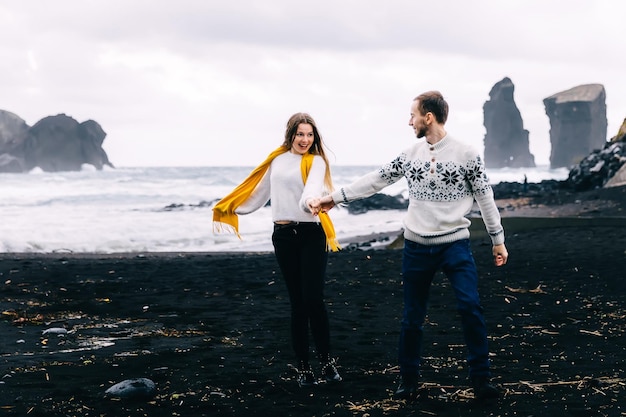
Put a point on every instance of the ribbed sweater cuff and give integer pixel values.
(437, 240)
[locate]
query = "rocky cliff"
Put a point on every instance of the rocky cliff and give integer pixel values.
(578, 123)
(605, 167)
(506, 140)
(55, 143)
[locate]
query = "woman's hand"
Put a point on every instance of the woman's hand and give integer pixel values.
(314, 205)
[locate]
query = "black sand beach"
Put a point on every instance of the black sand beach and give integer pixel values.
(211, 330)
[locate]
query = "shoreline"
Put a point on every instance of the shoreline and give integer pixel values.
(374, 241)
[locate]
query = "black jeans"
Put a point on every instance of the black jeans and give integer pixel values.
(300, 250)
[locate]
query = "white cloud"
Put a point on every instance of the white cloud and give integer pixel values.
(198, 82)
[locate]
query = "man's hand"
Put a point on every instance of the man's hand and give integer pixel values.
(326, 203)
(500, 255)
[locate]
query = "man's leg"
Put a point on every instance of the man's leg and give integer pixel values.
(460, 268)
(418, 270)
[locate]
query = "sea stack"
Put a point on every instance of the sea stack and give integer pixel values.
(506, 140)
(578, 123)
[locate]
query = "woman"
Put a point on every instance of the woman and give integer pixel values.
(294, 177)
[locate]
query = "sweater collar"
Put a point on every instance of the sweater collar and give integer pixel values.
(441, 144)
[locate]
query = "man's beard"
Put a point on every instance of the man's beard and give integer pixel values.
(421, 132)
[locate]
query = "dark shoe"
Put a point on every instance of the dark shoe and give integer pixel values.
(329, 371)
(483, 390)
(407, 388)
(305, 376)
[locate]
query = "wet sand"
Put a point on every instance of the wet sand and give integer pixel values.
(211, 330)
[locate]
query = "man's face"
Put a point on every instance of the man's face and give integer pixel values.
(417, 121)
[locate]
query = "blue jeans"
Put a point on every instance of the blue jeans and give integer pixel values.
(419, 265)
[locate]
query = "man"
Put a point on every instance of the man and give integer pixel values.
(444, 179)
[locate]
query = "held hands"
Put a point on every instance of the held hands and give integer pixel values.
(500, 255)
(314, 205)
(326, 203)
(317, 205)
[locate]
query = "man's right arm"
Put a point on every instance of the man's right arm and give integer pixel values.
(372, 182)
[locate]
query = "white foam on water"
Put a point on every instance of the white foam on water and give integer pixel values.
(164, 210)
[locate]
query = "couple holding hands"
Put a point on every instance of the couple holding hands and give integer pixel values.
(444, 177)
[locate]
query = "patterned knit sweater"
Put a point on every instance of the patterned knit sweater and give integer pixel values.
(443, 181)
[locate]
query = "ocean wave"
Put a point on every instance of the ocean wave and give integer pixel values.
(165, 210)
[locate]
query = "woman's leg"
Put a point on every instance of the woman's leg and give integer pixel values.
(313, 260)
(287, 254)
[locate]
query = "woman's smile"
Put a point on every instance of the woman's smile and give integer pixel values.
(303, 139)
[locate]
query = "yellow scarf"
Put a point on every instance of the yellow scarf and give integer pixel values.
(225, 218)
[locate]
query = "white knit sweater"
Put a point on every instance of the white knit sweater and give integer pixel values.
(283, 185)
(443, 181)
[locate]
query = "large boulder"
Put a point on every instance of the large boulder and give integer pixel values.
(13, 134)
(55, 143)
(506, 140)
(10, 163)
(618, 179)
(613, 158)
(599, 167)
(578, 123)
(60, 143)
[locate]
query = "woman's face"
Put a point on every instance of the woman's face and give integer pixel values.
(303, 139)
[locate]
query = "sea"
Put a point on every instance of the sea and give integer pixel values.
(167, 209)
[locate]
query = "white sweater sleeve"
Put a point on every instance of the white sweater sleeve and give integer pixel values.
(259, 197)
(314, 187)
(483, 194)
(371, 183)
(491, 217)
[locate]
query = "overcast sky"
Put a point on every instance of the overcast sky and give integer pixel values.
(213, 82)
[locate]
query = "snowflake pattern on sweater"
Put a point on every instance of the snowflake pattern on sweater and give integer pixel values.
(452, 181)
(444, 181)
